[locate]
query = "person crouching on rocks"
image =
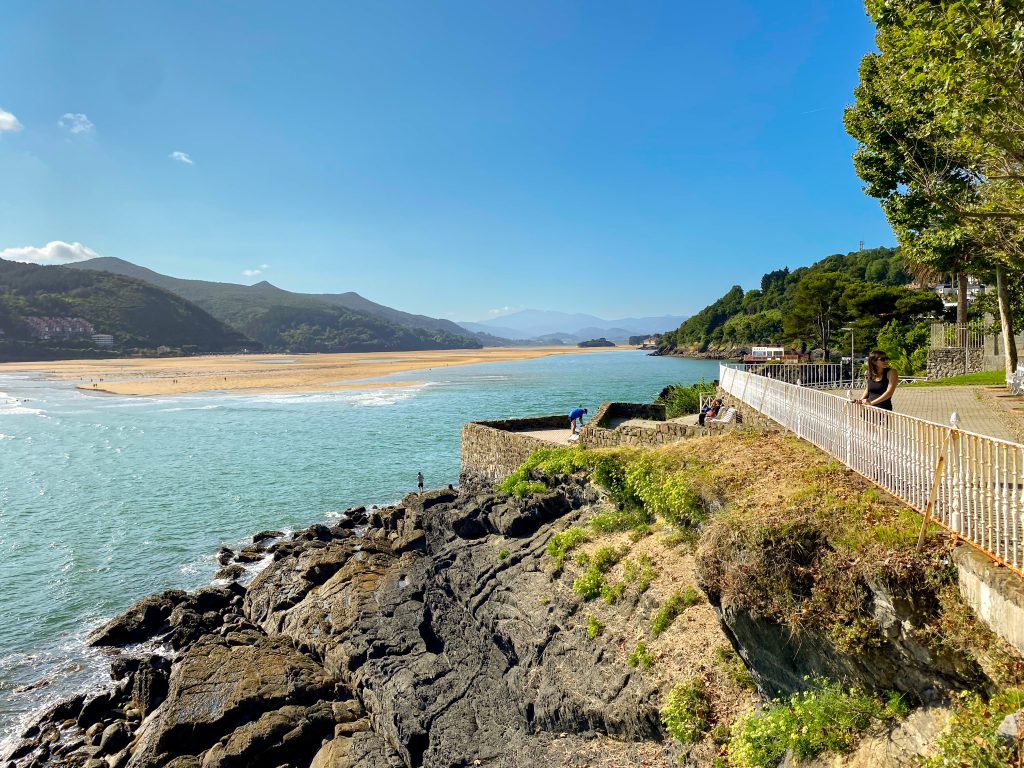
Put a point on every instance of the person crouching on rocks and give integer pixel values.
(576, 419)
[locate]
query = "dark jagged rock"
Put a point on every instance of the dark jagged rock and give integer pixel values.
(140, 622)
(234, 695)
(264, 536)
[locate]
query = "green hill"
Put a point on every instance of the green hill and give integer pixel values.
(808, 307)
(299, 322)
(138, 315)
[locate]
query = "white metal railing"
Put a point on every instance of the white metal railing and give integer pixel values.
(973, 484)
(817, 375)
(958, 335)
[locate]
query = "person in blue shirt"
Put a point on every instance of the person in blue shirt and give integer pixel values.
(576, 418)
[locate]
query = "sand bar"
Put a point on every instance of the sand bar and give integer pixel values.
(269, 373)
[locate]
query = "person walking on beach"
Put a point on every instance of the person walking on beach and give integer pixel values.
(882, 381)
(419, 481)
(576, 417)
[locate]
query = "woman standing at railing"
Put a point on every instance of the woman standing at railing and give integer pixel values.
(882, 381)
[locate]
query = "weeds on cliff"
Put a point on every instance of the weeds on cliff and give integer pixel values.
(730, 662)
(594, 627)
(564, 541)
(605, 558)
(673, 608)
(686, 713)
(635, 519)
(588, 584)
(970, 738)
(829, 718)
(664, 492)
(637, 573)
(503, 553)
(641, 657)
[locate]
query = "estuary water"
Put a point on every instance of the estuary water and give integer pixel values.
(105, 498)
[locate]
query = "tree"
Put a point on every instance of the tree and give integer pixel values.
(939, 117)
(816, 307)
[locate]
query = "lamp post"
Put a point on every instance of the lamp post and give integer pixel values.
(851, 354)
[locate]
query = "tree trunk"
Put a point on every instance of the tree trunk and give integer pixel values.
(961, 297)
(1006, 321)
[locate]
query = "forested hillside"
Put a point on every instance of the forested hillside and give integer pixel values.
(299, 322)
(806, 308)
(138, 315)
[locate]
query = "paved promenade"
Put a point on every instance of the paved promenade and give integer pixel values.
(980, 409)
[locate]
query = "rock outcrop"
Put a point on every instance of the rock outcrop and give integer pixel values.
(398, 637)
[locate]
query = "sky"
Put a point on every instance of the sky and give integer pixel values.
(453, 159)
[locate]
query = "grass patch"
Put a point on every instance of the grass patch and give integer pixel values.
(641, 657)
(970, 738)
(632, 519)
(503, 553)
(594, 627)
(638, 574)
(562, 543)
(686, 713)
(984, 377)
(673, 608)
(827, 719)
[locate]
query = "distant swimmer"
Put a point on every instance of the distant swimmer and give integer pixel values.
(576, 419)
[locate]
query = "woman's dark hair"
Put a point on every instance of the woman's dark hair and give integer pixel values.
(875, 360)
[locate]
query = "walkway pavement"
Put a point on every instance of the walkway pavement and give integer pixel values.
(978, 407)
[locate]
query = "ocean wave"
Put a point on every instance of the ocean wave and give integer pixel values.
(189, 408)
(20, 410)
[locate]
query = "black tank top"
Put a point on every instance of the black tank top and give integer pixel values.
(876, 388)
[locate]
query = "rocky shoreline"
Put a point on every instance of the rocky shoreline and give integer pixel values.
(398, 637)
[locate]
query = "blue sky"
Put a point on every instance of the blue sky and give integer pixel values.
(446, 158)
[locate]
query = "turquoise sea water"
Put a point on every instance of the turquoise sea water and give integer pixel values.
(104, 498)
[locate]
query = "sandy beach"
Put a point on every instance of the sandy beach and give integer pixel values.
(269, 373)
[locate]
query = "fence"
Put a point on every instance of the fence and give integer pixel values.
(817, 375)
(958, 335)
(976, 482)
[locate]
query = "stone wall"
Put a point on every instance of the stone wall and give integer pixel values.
(994, 593)
(949, 361)
(491, 450)
(600, 433)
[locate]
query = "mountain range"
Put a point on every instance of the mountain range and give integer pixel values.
(570, 327)
(301, 322)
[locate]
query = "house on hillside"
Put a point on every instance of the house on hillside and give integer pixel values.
(58, 328)
(775, 354)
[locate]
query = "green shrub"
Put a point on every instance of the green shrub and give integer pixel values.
(827, 719)
(672, 608)
(582, 559)
(612, 593)
(686, 713)
(641, 657)
(605, 558)
(503, 554)
(662, 492)
(561, 543)
(970, 738)
(631, 519)
(594, 627)
(589, 583)
(681, 399)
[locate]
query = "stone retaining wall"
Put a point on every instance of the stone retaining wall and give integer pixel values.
(993, 592)
(949, 361)
(491, 450)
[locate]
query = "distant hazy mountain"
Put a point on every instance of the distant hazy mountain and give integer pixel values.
(532, 323)
(302, 322)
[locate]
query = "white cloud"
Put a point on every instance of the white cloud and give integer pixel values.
(255, 271)
(54, 252)
(8, 122)
(76, 122)
(181, 157)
